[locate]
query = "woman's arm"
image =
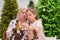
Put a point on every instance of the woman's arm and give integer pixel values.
(10, 27)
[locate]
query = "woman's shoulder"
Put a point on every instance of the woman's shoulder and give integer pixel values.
(13, 21)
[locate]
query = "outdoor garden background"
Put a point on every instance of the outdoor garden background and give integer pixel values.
(48, 10)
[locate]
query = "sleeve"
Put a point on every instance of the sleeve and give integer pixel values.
(10, 27)
(41, 35)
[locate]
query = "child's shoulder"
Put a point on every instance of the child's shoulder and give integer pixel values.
(39, 20)
(39, 23)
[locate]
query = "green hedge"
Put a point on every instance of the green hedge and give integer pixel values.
(9, 12)
(49, 11)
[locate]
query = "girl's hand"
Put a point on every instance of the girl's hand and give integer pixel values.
(25, 25)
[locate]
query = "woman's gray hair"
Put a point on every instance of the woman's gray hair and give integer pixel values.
(19, 11)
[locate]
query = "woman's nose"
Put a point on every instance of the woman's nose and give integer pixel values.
(24, 14)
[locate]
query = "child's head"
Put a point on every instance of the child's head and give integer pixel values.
(31, 14)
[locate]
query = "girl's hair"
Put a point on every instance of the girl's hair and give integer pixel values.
(33, 11)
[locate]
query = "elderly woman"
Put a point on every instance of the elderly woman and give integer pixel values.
(21, 17)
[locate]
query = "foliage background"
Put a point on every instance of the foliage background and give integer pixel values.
(10, 10)
(49, 11)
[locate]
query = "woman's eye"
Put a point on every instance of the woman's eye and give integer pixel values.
(29, 15)
(23, 12)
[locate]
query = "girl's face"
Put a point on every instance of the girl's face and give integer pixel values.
(30, 16)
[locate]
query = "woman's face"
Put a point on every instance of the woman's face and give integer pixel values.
(22, 15)
(30, 16)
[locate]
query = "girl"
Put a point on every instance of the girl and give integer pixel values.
(34, 24)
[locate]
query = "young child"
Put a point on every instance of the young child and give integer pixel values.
(34, 24)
